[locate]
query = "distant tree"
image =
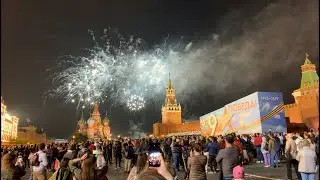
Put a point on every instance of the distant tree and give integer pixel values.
(80, 137)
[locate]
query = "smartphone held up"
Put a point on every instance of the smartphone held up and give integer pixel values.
(154, 159)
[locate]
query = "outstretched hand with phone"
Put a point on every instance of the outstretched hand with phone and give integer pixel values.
(19, 162)
(162, 169)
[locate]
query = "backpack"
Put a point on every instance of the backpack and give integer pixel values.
(34, 160)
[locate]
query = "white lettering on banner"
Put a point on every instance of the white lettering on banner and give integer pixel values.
(270, 98)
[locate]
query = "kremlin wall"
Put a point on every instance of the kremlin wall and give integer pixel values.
(278, 118)
(305, 110)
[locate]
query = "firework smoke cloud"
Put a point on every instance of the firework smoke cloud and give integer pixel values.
(116, 68)
(124, 71)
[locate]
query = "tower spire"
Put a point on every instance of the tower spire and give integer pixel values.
(96, 110)
(82, 114)
(309, 77)
(82, 117)
(169, 84)
(307, 60)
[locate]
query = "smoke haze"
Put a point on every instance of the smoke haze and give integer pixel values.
(246, 50)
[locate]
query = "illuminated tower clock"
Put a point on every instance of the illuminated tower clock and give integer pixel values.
(171, 111)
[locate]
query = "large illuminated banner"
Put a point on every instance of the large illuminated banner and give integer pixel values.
(271, 112)
(256, 113)
(209, 123)
(245, 117)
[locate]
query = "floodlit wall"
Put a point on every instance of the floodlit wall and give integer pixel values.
(9, 125)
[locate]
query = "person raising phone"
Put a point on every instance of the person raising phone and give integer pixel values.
(197, 163)
(158, 173)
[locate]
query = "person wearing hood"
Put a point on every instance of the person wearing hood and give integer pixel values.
(291, 153)
(265, 152)
(307, 161)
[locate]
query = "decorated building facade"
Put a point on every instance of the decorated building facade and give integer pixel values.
(305, 110)
(172, 122)
(30, 134)
(9, 124)
(94, 127)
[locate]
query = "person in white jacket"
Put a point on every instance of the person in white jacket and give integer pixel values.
(265, 152)
(101, 162)
(307, 161)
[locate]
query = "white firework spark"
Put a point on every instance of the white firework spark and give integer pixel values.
(136, 102)
(118, 70)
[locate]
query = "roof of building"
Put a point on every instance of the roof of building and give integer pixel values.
(106, 119)
(90, 120)
(307, 60)
(309, 78)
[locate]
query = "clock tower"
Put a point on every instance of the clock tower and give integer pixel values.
(171, 111)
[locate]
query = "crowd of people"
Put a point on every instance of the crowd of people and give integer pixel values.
(196, 156)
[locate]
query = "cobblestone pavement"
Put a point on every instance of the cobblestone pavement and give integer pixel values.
(253, 172)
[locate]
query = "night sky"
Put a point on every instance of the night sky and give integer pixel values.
(35, 33)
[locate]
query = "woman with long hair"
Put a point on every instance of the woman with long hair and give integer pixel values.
(87, 170)
(11, 169)
(139, 166)
(197, 163)
(155, 173)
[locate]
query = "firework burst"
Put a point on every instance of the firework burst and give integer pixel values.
(117, 69)
(135, 102)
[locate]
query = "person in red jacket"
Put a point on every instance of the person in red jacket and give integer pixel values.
(237, 143)
(240, 147)
(257, 140)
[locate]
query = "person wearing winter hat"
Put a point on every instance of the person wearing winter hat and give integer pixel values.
(238, 173)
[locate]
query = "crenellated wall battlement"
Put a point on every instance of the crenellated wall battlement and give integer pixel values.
(288, 106)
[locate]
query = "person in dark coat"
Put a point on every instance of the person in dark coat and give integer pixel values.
(71, 152)
(213, 149)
